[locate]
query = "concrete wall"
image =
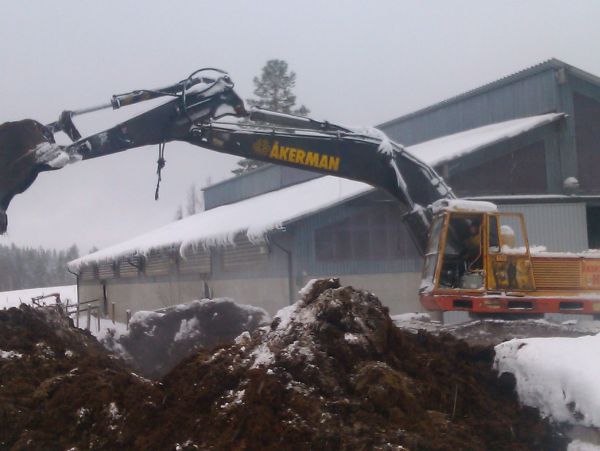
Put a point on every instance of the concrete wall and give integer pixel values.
(397, 291)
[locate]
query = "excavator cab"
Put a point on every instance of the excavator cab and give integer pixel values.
(473, 254)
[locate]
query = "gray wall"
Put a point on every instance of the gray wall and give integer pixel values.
(559, 227)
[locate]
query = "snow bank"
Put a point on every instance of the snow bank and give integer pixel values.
(15, 298)
(559, 376)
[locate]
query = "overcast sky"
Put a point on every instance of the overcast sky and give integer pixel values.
(357, 62)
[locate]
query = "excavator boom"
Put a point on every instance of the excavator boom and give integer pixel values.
(196, 115)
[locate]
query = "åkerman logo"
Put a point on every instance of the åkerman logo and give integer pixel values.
(261, 147)
(275, 151)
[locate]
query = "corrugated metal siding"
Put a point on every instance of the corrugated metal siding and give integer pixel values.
(558, 227)
(158, 264)
(88, 273)
(305, 262)
(244, 255)
(531, 96)
(106, 270)
(130, 268)
(196, 263)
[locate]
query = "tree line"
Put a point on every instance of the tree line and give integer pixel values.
(24, 267)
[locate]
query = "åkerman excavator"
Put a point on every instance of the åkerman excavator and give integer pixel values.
(476, 259)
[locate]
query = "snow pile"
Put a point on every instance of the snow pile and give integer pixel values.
(157, 341)
(557, 375)
(15, 298)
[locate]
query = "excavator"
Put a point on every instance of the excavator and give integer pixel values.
(476, 259)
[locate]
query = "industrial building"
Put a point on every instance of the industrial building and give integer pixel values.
(528, 142)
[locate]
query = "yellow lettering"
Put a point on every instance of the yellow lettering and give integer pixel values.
(300, 154)
(283, 153)
(292, 156)
(334, 163)
(275, 151)
(312, 159)
(324, 163)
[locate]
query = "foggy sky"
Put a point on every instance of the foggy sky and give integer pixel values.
(357, 63)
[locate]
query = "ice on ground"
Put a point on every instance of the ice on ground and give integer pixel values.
(559, 376)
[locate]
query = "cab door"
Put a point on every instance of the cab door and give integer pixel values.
(508, 258)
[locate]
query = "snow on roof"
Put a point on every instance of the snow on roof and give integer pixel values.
(255, 216)
(270, 211)
(441, 150)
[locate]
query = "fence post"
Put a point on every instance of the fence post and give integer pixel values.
(128, 314)
(89, 318)
(112, 311)
(98, 316)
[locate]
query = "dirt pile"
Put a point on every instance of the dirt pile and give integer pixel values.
(59, 388)
(157, 341)
(330, 372)
(333, 372)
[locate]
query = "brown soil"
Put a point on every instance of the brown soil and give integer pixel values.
(332, 372)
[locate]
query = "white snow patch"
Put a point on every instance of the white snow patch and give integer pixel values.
(463, 205)
(262, 356)
(188, 329)
(53, 155)
(353, 338)
(9, 355)
(306, 288)
(15, 298)
(416, 316)
(578, 445)
(113, 411)
(559, 376)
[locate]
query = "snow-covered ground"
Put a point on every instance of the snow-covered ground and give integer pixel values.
(557, 375)
(14, 298)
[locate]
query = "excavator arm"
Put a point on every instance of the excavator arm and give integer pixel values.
(198, 115)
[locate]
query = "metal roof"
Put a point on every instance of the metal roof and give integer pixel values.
(551, 64)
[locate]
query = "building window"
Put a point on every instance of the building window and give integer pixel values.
(374, 234)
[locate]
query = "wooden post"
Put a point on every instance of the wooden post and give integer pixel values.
(89, 317)
(98, 315)
(77, 315)
(128, 314)
(112, 311)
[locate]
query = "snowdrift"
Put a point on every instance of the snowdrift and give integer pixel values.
(559, 376)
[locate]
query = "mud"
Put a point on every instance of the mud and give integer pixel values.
(330, 372)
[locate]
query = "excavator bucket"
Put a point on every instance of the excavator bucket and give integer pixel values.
(19, 166)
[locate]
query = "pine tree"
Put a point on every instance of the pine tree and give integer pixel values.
(273, 91)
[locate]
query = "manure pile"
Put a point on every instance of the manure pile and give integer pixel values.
(330, 372)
